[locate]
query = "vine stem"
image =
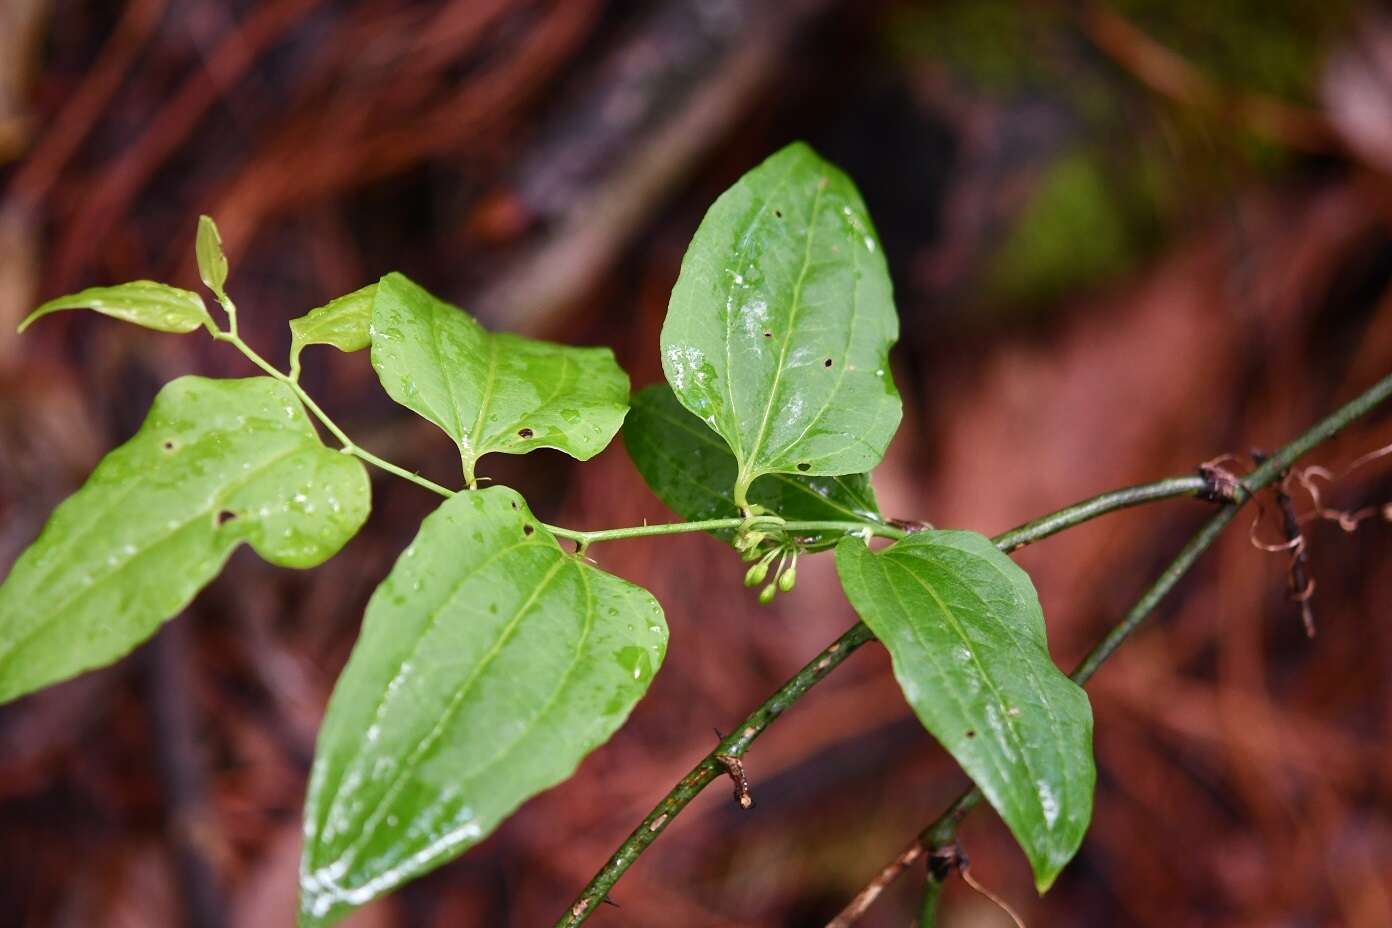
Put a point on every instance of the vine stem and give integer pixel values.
(715, 763)
(942, 832)
(292, 381)
(710, 767)
(582, 539)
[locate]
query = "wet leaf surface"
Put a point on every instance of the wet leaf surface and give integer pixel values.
(492, 391)
(216, 463)
(779, 327)
(692, 470)
(964, 628)
(490, 663)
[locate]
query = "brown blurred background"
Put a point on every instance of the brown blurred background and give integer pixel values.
(1126, 238)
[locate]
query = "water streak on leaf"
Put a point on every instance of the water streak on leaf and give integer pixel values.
(780, 324)
(964, 628)
(490, 663)
(216, 463)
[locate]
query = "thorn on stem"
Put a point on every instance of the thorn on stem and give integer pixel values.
(735, 768)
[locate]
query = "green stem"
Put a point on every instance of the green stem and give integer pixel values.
(928, 906)
(582, 539)
(709, 767)
(1099, 505)
(944, 830)
(716, 525)
(349, 446)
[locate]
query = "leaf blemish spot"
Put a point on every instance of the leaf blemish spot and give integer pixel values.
(971, 732)
(768, 335)
(804, 466)
(826, 363)
(169, 444)
(224, 516)
(778, 214)
(527, 529)
(525, 433)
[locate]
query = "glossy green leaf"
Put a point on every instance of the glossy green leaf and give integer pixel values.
(144, 302)
(693, 472)
(492, 391)
(779, 327)
(345, 323)
(216, 463)
(212, 263)
(966, 634)
(490, 662)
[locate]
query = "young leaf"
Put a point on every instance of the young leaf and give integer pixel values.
(216, 463)
(966, 634)
(492, 391)
(490, 663)
(693, 472)
(345, 323)
(212, 263)
(780, 324)
(144, 302)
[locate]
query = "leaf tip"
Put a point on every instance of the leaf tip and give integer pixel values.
(1044, 880)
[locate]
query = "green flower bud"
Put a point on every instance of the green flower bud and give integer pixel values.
(756, 574)
(766, 594)
(787, 579)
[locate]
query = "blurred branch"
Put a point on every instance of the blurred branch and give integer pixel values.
(942, 833)
(20, 22)
(1173, 77)
(84, 105)
(667, 96)
(192, 827)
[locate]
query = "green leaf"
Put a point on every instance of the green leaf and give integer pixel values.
(144, 302)
(345, 323)
(216, 463)
(779, 328)
(492, 391)
(966, 633)
(212, 263)
(693, 472)
(490, 662)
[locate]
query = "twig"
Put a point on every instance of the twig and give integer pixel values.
(1302, 585)
(735, 768)
(943, 831)
(735, 745)
(851, 913)
(1171, 76)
